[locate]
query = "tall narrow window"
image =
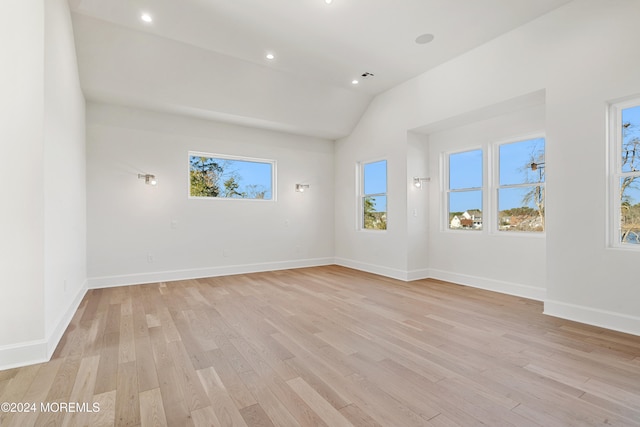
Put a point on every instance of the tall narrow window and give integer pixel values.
(464, 195)
(226, 177)
(521, 186)
(626, 173)
(373, 195)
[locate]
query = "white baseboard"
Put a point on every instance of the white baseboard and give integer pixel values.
(198, 273)
(593, 316)
(40, 351)
(61, 325)
(424, 273)
(23, 354)
(509, 288)
(501, 286)
(371, 268)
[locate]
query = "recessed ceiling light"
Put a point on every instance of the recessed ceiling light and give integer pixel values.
(270, 56)
(354, 82)
(328, 1)
(146, 17)
(424, 38)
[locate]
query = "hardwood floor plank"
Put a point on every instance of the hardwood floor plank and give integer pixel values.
(205, 417)
(145, 364)
(152, 409)
(200, 321)
(373, 399)
(227, 413)
(188, 331)
(127, 410)
(321, 407)
(94, 339)
(612, 406)
(187, 379)
(8, 374)
(168, 327)
(82, 392)
(108, 369)
(241, 396)
(105, 417)
(276, 411)
(65, 378)
(176, 411)
(358, 417)
(325, 381)
(113, 319)
(255, 416)
(442, 421)
(126, 348)
(36, 393)
(297, 407)
(20, 383)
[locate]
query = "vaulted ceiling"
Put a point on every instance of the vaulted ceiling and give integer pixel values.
(207, 58)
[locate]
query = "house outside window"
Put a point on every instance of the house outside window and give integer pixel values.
(373, 195)
(521, 186)
(464, 190)
(625, 176)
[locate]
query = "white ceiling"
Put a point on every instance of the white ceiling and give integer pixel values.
(194, 51)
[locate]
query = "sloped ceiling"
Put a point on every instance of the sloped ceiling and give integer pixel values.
(206, 58)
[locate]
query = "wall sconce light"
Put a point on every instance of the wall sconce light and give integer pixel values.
(535, 166)
(148, 178)
(419, 181)
(301, 187)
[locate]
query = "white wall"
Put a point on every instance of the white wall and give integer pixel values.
(42, 180)
(588, 281)
(130, 223)
(21, 178)
(581, 56)
(508, 262)
(382, 252)
(418, 215)
(65, 223)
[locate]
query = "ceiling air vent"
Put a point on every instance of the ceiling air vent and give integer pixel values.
(366, 75)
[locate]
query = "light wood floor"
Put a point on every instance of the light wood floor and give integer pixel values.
(327, 346)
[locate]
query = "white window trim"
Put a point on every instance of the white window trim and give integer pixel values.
(273, 163)
(446, 190)
(495, 186)
(360, 195)
(614, 172)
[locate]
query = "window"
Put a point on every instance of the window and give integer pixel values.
(373, 195)
(521, 186)
(625, 191)
(227, 177)
(464, 193)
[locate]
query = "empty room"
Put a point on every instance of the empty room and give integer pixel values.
(320, 213)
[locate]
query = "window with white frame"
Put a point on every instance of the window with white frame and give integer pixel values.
(216, 176)
(464, 191)
(373, 195)
(521, 180)
(625, 177)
